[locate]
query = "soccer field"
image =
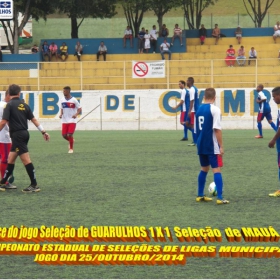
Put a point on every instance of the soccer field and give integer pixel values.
(144, 178)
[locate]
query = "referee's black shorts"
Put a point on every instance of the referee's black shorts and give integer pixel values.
(19, 142)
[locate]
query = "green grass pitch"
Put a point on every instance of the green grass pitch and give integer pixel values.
(144, 178)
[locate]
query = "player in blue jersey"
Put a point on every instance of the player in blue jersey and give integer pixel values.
(194, 104)
(264, 111)
(276, 138)
(209, 145)
(184, 105)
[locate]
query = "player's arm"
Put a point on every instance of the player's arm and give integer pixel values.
(219, 137)
(178, 105)
(272, 142)
(3, 123)
(41, 129)
(61, 113)
(79, 110)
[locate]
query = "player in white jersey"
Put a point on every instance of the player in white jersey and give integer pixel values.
(183, 104)
(70, 108)
(5, 146)
(209, 145)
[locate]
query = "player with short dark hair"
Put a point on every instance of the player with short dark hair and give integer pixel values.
(209, 145)
(17, 113)
(264, 111)
(70, 108)
(276, 138)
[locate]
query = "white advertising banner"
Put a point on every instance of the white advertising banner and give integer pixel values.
(144, 109)
(148, 69)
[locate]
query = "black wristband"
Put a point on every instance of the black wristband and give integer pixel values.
(44, 132)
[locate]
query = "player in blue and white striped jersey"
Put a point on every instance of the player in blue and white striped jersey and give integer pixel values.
(276, 138)
(184, 105)
(264, 111)
(209, 145)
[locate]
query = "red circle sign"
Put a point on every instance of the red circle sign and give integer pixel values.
(140, 69)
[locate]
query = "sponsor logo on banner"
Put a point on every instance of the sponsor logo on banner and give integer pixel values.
(6, 10)
(151, 69)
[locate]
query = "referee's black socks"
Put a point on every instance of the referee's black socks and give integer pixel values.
(31, 173)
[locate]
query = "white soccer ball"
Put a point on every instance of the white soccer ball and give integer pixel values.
(212, 189)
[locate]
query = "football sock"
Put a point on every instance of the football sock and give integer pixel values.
(260, 128)
(185, 131)
(219, 184)
(31, 173)
(272, 124)
(71, 140)
(193, 135)
(8, 172)
(201, 182)
(3, 168)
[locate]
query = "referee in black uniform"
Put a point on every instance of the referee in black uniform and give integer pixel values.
(16, 113)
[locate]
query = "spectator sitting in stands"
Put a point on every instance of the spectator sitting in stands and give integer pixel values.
(216, 33)
(164, 31)
(276, 31)
(238, 34)
(34, 49)
(141, 40)
(202, 34)
(128, 35)
(46, 51)
(102, 49)
(63, 51)
(154, 35)
(147, 38)
(53, 50)
(230, 58)
(78, 50)
(252, 55)
(241, 58)
(177, 33)
(164, 48)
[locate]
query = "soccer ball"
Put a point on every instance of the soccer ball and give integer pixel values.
(212, 189)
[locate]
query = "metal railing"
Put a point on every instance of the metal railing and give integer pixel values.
(109, 75)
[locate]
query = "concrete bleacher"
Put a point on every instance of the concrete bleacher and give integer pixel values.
(204, 62)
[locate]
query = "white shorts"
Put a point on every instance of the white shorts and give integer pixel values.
(277, 33)
(238, 35)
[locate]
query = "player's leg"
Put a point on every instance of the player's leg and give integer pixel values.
(70, 132)
(192, 129)
(10, 168)
(64, 131)
(269, 119)
(277, 193)
(183, 119)
(216, 162)
(204, 162)
(259, 125)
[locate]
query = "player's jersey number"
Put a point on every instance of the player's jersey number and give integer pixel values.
(200, 122)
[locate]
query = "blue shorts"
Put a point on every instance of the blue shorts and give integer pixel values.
(214, 160)
(261, 116)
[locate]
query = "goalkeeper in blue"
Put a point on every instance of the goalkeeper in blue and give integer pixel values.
(264, 111)
(276, 138)
(209, 145)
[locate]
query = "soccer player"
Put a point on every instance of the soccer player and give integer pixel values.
(184, 104)
(209, 145)
(17, 113)
(276, 138)
(264, 111)
(194, 104)
(5, 146)
(70, 109)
